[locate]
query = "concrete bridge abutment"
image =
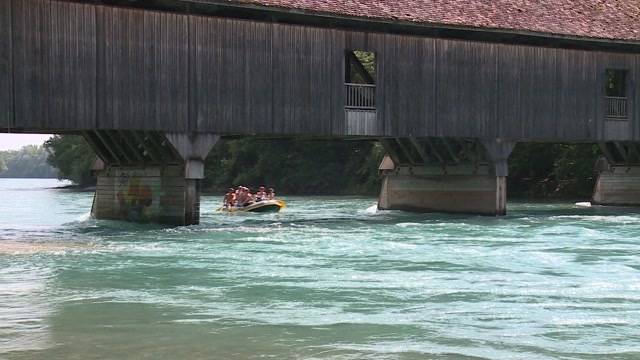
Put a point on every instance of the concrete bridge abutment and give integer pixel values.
(149, 176)
(445, 175)
(618, 181)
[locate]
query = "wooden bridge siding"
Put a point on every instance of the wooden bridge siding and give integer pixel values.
(337, 76)
(497, 90)
(302, 86)
(408, 94)
(632, 63)
(6, 66)
(636, 118)
(30, 58)
(231, 75)
(526, 111)
(171, 75)
(259, 78)
(619, 61)
(466, 87)
(143, 70)
(576, 90)
(372, 42)
(54, 69)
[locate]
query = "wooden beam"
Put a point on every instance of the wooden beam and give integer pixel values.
(132, 148)
(623, 152)
(464, 147)
(435, 152)
(453, 155)
(108, 147)
(604, 147)
(634, 154)
(141, 140)
(116, 144)
(419, 149)
(97, 148)
(160, 150)
(406, 151)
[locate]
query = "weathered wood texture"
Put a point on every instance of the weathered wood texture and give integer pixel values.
(83, 66)
(6, 67)
(142, 72)
(54, 62)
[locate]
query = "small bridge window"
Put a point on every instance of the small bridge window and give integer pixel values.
(360, 80)
(616, 94)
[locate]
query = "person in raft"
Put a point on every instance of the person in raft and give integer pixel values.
(242, 196)
(261, 194)
(245, 198)
(229, 199)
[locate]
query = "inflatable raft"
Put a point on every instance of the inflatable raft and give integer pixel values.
(266, 206)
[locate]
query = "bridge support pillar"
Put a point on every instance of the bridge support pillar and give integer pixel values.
(453, 184)
(619, 175)
(147, 194)
(619, 185)
(149, 176)
(472, 194)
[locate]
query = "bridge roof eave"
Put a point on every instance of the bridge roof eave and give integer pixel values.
(252, 10)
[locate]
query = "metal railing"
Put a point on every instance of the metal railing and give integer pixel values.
(616, 107)
(360, 96)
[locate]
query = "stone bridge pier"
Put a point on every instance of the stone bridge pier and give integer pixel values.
(148, 176)
(451, 175)
(618, 181)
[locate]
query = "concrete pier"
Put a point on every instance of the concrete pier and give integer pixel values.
(619, 185)
(474, 194)
(149, 177)
(146, 194)
(457, 176)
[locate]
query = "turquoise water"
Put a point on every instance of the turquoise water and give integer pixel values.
(329, 278)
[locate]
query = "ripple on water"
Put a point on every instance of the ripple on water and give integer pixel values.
(327, 278)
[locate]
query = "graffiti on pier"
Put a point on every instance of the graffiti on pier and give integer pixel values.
(136, 198)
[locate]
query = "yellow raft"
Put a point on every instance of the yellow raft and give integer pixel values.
(266, 206)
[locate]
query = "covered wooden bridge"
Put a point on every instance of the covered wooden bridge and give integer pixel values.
(448, 86)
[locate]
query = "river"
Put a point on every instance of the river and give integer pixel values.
(328, 278)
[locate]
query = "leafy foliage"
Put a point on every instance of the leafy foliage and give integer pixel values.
(73, 158)
(368, 61)
(296, 166)
(28, 162)
(552, 170)
(3, 161)
(346, 167)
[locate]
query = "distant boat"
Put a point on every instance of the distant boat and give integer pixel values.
(266, 206)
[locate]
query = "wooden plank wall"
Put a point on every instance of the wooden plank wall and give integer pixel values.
(636, 90)
(622, 61)
(6, 68)
(526, 111)
(54, 57)
(409, 88)
(143, 73)
(31, 63)
(82, 66)
(230, 83)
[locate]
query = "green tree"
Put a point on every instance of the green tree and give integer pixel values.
(28, 162)
(73, 158)
(296, 166)
(340, 167)
(3, 162)
(538, 170)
